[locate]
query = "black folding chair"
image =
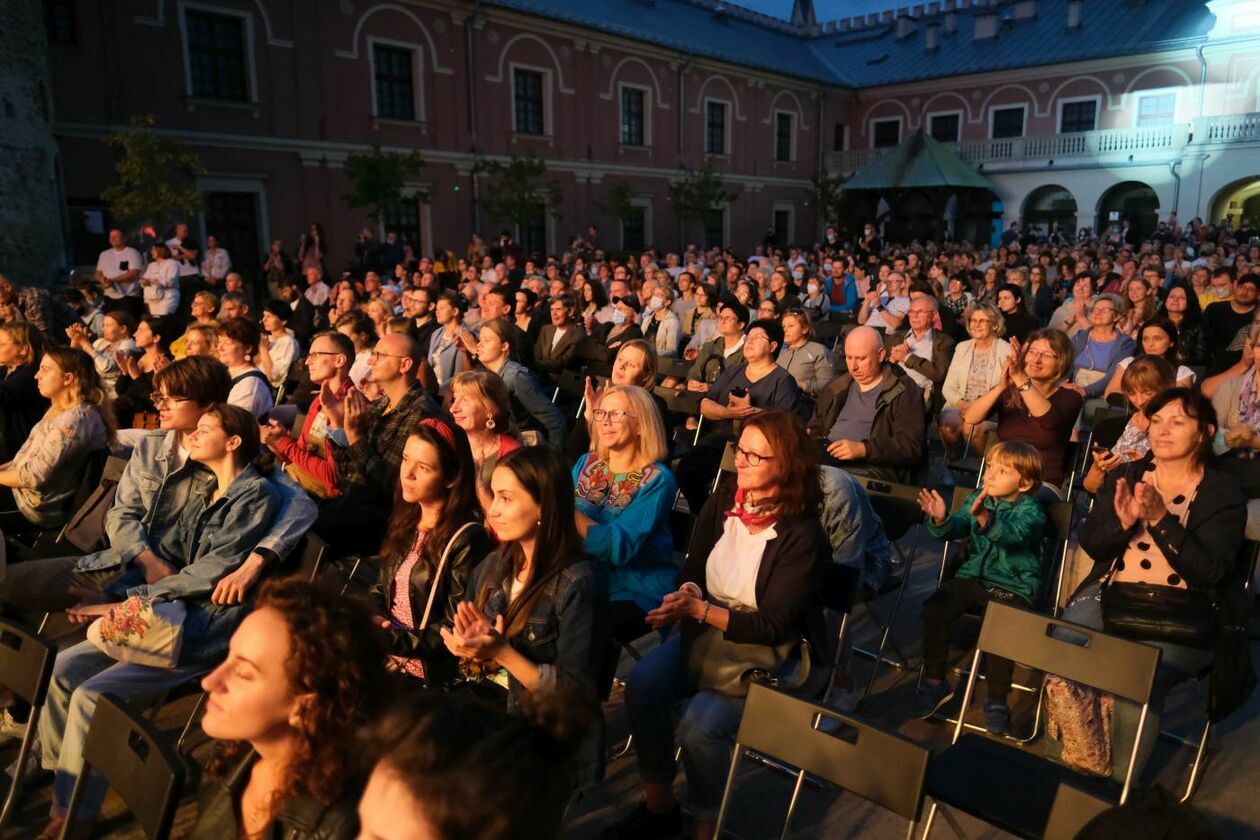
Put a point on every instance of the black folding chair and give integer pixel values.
(683, 404)
(676, 368)
(1012, 788)
(137, 764)
(26, 663)
(897, 506)
(1072, 810)
(878, 766)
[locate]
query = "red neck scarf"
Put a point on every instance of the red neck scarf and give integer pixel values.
(753, 515)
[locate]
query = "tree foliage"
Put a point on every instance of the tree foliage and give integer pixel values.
(155, 176)
(617, 202)
(699, 191)
(827, 196)
(517, 192)
(377, 179)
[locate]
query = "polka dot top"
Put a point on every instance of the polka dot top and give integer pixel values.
(1143, 560)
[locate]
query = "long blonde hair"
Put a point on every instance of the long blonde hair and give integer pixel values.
(653, 445)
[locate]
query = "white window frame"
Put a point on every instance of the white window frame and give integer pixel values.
(932, 115)
(417, 76)
(729, 112)
(251, 83)
(648, 107)
(901, 130)
(790, 208)
(1139, 95)
(646, 205)
(993, 109)
(792, 132)
(1096, 99)
(548, 97)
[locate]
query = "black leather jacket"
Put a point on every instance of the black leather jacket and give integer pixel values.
(303, 818)
(468, 550)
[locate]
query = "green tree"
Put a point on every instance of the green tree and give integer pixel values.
(698, 192)
(616, 202)
(155, 176)
(516, 191)
(377, 179)
(828, 197)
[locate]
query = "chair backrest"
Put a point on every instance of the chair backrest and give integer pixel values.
(85, 530)
(26, 662)
(838, 589)
(313, 551)
(1110, 664)
(1059, 518)
(896, 504)
(136, 762)
(680, 402)
(677, 368)
(878, 766)
(1072, 810)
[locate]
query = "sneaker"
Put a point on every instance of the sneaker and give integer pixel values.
(997, 717)
(929, 699)
(642, 824)
(10, 729)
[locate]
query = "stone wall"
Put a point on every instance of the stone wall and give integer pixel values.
(31, 217)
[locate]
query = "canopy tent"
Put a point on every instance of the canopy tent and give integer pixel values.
(929, 190)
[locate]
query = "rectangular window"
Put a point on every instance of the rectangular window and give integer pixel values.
(533, 236)
(232, 217)
(395, 90)
(1156, 110)
(782, 137)
(782, 227)
(60, 19)
(837, 138)
(634, 229)
(1078, 116)
(216, 55)
(945, 127)
(632, 102)
(885, 133)
(404, 220)
(528, 85)
(715, 228)
(1008, 122)
(715, 128)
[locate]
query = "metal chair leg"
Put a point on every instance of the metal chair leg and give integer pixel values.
(183, 736)
(19, 777)
(1195, 768)
(350, 577)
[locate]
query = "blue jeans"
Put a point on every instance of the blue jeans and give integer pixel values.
(1177, 663)
(706, 730)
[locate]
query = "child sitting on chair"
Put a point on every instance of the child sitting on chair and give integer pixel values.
(1004, 522)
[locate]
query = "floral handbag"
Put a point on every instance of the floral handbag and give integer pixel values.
(140, 632)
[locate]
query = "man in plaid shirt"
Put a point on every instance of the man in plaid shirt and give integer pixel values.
(367, 442)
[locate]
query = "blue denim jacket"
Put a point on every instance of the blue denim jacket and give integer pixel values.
(152, 495)
(531, 406)
(209, 540)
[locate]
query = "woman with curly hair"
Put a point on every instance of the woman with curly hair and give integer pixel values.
(304, 671)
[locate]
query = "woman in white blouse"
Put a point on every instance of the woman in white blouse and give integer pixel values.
(160, 282)
(280, 346)
(976, 368)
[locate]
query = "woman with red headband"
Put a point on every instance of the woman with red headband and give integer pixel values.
(434, 542)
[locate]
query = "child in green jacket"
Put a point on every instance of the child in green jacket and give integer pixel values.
(1004, 522)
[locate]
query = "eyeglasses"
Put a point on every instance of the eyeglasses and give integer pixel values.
(753, 458)
(1040, 354)
(376, 354)
(323, 353)
(162, 400)
(979, 321)
(615, 415)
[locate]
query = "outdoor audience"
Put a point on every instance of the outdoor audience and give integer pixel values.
(500, 441)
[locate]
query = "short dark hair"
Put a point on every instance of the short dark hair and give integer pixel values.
(772, 328)
(504, 294)
(278, 308)
(1197, 407)
(243, 331)
(456, 300)
(124, 319)
(741, 311)
(340, 340)
(202, 379)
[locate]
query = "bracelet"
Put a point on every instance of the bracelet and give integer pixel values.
(704, 617)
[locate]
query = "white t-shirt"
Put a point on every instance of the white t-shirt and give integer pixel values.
(731, 572)
(252, 394)
(283, 351)
(162, 295)
(897, 306)
(112, 263)
(187, 268)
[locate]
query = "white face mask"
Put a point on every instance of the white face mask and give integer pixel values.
(656, 303)
(799, 275)
(618, 317)
(813, 288)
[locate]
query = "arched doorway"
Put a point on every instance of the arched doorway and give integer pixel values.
(1132, 201)
(1238, 203)
(1048, 206)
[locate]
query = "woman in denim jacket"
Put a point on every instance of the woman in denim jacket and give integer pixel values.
(227, 513)
(532, 620)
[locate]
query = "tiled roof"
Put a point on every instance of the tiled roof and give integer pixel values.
(872, 55)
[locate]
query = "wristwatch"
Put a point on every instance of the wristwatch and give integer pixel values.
(1024, 387)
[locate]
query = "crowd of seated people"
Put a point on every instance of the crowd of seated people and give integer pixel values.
(685, 498)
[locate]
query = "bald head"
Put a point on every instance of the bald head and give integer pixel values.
(864, 355)
(395, 358)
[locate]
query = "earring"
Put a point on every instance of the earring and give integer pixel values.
(490, 424)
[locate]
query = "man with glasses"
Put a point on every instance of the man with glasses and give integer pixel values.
(870, 420)
(308, 460)
(367, 442)
(922, 352)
